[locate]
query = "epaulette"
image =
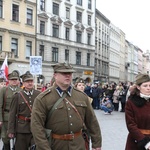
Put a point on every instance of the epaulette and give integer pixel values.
(79, 91)
(44, 93)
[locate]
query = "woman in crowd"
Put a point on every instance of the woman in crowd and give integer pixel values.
(80, 85)
(137, 113)
(116, 98)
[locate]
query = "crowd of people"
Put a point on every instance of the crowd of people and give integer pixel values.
(61, 115)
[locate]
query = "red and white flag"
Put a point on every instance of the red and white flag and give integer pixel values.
(4, 70)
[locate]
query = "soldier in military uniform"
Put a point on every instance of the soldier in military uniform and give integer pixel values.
(20, 114)
(68, 118)
(6, 94)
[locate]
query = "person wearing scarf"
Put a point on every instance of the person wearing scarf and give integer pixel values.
(137, 115)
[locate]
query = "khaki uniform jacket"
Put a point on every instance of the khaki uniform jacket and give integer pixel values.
(64, 120)
(6, 94)
(19, 107)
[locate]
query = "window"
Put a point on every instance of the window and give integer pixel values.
(1, 8)
(79, 2)
(41, 51)
(67, 55)
(14, 46)
(67, 13)
(29, 16)
(89, 4)
(42, 5)
(88, 59)
(79, 16)
(55, 54)
(15, 12)
(0, 43)
(28, 49)
(89, 39)
(89, 20)
(67, 33)
(55, 9)
(55, 30)
(42, 27)
(78, 58)
(78, 36)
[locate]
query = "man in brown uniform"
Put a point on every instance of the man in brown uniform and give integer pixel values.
(65, 122)
(6, 94)
(20, 114)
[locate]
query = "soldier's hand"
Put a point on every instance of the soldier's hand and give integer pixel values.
(1, 124)
(11, 135)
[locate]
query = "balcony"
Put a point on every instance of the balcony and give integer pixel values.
(10, 56)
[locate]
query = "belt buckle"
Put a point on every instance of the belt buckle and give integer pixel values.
(26, 118)
(72, 136)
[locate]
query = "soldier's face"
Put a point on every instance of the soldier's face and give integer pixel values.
(28, 84)
(63, 78)
(13, 82)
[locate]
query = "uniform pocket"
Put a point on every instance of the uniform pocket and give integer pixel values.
(80, 104)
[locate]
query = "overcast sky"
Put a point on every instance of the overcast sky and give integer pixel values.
(131, 16)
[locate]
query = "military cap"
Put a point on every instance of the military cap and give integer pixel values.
(80, 80)
(13, 76)
(63, 67)
(27, 76)
(141, 78)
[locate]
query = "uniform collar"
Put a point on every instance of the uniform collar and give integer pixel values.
(28, 92)
(61, 92)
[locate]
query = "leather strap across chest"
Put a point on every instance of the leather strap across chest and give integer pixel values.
(26, 102)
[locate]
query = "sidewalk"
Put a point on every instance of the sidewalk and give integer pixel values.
(113, 129)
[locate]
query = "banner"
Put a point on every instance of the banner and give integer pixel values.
(36, 65)
(4, 70)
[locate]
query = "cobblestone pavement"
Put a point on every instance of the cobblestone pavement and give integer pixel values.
(113, 130)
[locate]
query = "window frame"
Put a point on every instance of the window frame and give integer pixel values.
(14, 43)
(79, 2)
(1, 43)
(1, 8)
(54, 54)
(55, 9)
(55, 30)
(29, 16)
(67, 55)
(42, 5)
(78, 36)
(41, 51)
(78, 58)
(88, 59)
(28, 49)
(79, 16)
(15, 13)
(67, 33)
(42, 27)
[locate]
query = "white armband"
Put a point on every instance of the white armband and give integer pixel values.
(147, 145)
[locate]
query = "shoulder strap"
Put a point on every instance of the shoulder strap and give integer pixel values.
(55, 105)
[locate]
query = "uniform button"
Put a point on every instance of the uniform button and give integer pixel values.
(70, 116)
(30, 105)
(71, 132)
(29, 97)
(71, 124)
(68, 108)
(66, 102)
(81, 104)
(30, 101)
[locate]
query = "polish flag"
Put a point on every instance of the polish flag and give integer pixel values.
(4, 70)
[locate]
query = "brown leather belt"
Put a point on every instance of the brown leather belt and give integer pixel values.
(66, 136)
(24, 118)
(144, 131)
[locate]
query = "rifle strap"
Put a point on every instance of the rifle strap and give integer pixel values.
(55, 105)
(26, 101)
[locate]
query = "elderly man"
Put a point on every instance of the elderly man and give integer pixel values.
(68, 118)
(20, 114)
(6, 94)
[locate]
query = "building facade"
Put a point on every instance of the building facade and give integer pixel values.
(114, 55)
(66, 33)
(102, 48)
(17, 33)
